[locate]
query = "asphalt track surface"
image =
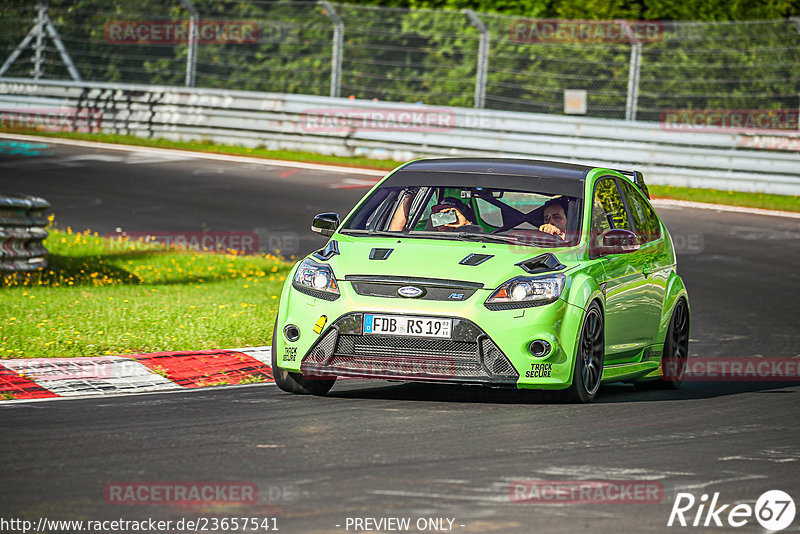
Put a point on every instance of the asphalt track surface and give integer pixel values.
(381, 449)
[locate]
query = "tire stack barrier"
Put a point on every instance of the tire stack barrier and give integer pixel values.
(22, 233)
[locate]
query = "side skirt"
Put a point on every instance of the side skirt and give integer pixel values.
(630, 371)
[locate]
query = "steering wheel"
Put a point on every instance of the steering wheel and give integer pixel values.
(534, 236)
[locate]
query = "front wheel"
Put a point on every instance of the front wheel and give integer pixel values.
(589, 358)
(295, 382)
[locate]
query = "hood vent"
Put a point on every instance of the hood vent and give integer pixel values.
(475, 259)
(380, 253)
(330, 250)
(541, 264)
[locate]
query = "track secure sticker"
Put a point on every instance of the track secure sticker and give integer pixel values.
(289, 354)
(539, 370)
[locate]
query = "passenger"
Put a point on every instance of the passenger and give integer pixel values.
(462, 222)
(463, 214)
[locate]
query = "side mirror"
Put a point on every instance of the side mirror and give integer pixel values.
(617, 241)
(325, 223)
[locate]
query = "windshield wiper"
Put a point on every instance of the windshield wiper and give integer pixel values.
(381, 233)
(461, 236)
(487, 237)
(465, 236)
(399, 235)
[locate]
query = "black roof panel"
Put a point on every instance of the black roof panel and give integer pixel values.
(507, 166)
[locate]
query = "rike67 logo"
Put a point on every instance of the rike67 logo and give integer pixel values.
(774, 510)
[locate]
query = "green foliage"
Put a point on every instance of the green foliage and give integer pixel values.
(686, 10)
(430, 54)
(720, 10)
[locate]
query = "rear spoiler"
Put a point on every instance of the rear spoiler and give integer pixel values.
(638, 180)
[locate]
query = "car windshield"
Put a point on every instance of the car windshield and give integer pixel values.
(469, 213)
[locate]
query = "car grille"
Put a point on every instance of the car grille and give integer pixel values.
(431, 288)
(389, 346)
(344, 351)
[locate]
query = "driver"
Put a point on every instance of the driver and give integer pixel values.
(555, 218)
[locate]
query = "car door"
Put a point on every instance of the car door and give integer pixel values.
(629, 317)
(654, 249)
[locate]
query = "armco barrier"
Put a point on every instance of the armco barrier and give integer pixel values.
(721, 160)
(22, 221)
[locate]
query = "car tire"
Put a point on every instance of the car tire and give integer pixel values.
(295, 382)
(676, 351)
(587, 372)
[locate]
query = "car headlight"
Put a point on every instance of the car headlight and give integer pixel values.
(526, 291)
(317, 280)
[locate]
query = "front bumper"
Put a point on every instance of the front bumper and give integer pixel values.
(487, 347)
(470, 356)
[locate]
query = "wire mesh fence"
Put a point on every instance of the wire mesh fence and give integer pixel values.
(628, 70)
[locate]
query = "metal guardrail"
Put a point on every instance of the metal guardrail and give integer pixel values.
(724, 160)
(22, 233)
(632, 70)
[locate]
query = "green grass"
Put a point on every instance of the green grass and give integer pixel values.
(102, 297)
(731, 198)
(714, 196)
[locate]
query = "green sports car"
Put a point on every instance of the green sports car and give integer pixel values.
(497, 272)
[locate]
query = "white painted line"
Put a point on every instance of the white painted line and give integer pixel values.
(594, 472)
(208, 389)
(140, 158)
(95, 157)
(105, 375)
(669, 203)
(199, 155)
(73, 377)
(262, 354)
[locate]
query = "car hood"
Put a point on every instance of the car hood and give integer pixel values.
(437, 258)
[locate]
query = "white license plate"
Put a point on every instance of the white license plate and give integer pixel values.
(401, 325)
